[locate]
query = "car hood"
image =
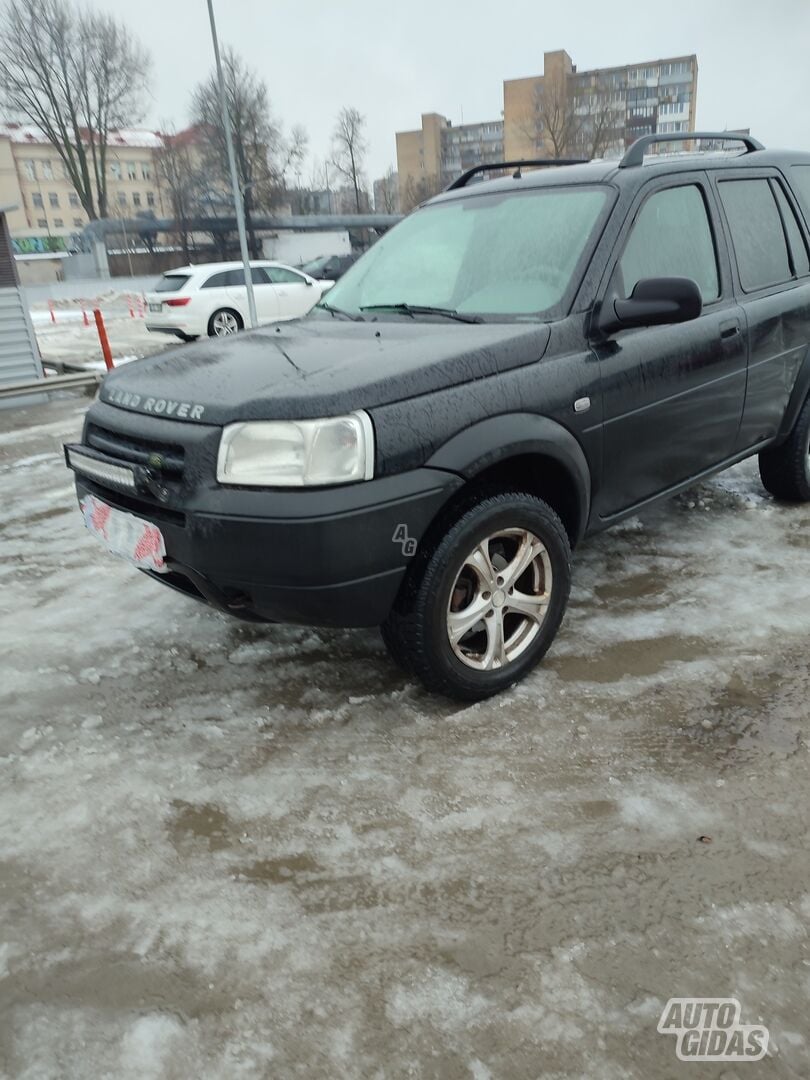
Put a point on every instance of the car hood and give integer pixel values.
(318, 367)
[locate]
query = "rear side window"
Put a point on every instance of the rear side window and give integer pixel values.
(672, 237)
(217, 281)
(171, 283)
(798, 248)
(756, 233)
(230, 278)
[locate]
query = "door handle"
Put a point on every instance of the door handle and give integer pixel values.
(729, 330)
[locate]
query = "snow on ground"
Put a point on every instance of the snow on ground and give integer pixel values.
(70, 341)
(229, 850)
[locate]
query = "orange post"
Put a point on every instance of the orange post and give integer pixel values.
(102, 337)
(50, 308)
(84, 317)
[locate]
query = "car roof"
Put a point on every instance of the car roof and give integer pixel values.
(213, 267)
(609, 171)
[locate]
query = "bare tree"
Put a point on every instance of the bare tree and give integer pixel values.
(349, 148)
(597, 130)
(557, 121)
(388, 188)
(181, 179)
(76, 75)
(416, 191)
(263, 155)
(570, 118)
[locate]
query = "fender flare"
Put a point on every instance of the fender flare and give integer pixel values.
(511, 435)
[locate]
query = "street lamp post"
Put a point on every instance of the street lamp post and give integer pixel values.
(237, 194)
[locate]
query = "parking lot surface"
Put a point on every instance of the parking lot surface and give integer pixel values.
(236, 851)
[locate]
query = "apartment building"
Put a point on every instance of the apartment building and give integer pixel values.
(48, 210)
(433, 155)
(596, 113)
(561, 113)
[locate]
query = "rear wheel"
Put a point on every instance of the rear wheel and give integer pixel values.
(224, 321)
(785, 470)
(480, 609)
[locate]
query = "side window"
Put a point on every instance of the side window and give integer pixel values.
(216, 281)
(800, 182)
(671, 237)
(281, 276)
(259, 275)
(756, 233)
(798, 248)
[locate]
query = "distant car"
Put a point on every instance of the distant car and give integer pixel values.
(329, 267)
(212, 299)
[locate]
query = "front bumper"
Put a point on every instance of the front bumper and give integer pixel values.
(317, 557)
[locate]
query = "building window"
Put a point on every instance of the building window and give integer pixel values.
(122, 198)
(146, 171)
(136, 198)
(53, 199)
(42, 223)
(115, 170)
(36, 199)
(30, 170)
(150, 198)
(58, 223)
(73, 198)
(132, 173)
(77, 221)
(47, 170)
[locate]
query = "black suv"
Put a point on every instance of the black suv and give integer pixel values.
(522, 361)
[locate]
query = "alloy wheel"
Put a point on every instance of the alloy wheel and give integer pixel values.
(225, 323)
(500, 599)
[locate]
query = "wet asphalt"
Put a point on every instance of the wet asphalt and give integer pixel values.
(229, 850)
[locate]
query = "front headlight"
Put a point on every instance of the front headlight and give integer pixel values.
(297, 453)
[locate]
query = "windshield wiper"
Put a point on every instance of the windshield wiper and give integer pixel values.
(335, 311)
(423, 309)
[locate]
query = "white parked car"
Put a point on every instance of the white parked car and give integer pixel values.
(212, 299)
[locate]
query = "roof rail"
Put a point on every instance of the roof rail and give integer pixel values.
(465, 178)
(635, 155)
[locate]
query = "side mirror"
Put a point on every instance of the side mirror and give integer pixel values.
(309, 282)
(653, 302)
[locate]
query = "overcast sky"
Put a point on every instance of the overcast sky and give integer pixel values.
(394, 61)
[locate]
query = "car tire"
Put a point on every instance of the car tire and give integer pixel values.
(475, 569)
(785, 470)
(222, 318)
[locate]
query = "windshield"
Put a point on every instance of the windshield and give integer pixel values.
(499, 255)
(316, 264)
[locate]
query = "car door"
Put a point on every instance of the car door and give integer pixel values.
(772, 278)
(216, 294)
(672, 395)
(263, 293)
(296, 295)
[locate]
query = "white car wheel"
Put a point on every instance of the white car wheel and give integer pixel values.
(224, 322)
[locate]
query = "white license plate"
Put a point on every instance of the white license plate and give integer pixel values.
(131, 538)
(156, 307)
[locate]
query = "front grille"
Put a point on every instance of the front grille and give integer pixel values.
(166, 460)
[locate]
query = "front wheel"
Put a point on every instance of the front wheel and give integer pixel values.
(785, 470)
(225, 321)
(481, 608)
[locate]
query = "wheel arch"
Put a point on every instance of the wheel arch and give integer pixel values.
(533, 451)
